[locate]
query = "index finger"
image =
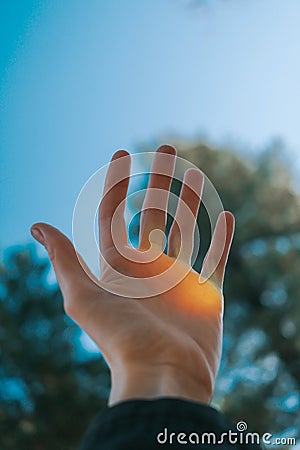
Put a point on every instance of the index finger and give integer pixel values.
(113, 202)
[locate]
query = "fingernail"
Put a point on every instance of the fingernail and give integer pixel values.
(38, 235)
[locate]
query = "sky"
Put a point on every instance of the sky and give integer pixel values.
(80, 80)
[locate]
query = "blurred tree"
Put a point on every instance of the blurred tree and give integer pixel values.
(49, 395)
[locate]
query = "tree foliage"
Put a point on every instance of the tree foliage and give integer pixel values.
(48, 392)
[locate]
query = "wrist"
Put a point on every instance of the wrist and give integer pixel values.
(150, 382)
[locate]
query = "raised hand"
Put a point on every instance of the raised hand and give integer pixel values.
(167, 344)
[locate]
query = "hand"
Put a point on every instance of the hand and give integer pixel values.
(165, 345)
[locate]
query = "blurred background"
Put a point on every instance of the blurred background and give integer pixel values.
(219, 79)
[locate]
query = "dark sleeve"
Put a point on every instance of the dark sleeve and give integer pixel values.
(164, 422)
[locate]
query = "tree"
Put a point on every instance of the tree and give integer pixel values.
(49, 394)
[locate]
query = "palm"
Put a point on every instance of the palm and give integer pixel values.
(185, 321)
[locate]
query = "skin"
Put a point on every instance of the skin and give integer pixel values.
(168, 345)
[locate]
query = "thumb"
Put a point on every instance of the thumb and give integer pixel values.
(69, 272)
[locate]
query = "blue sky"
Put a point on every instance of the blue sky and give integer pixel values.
(79, 80)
